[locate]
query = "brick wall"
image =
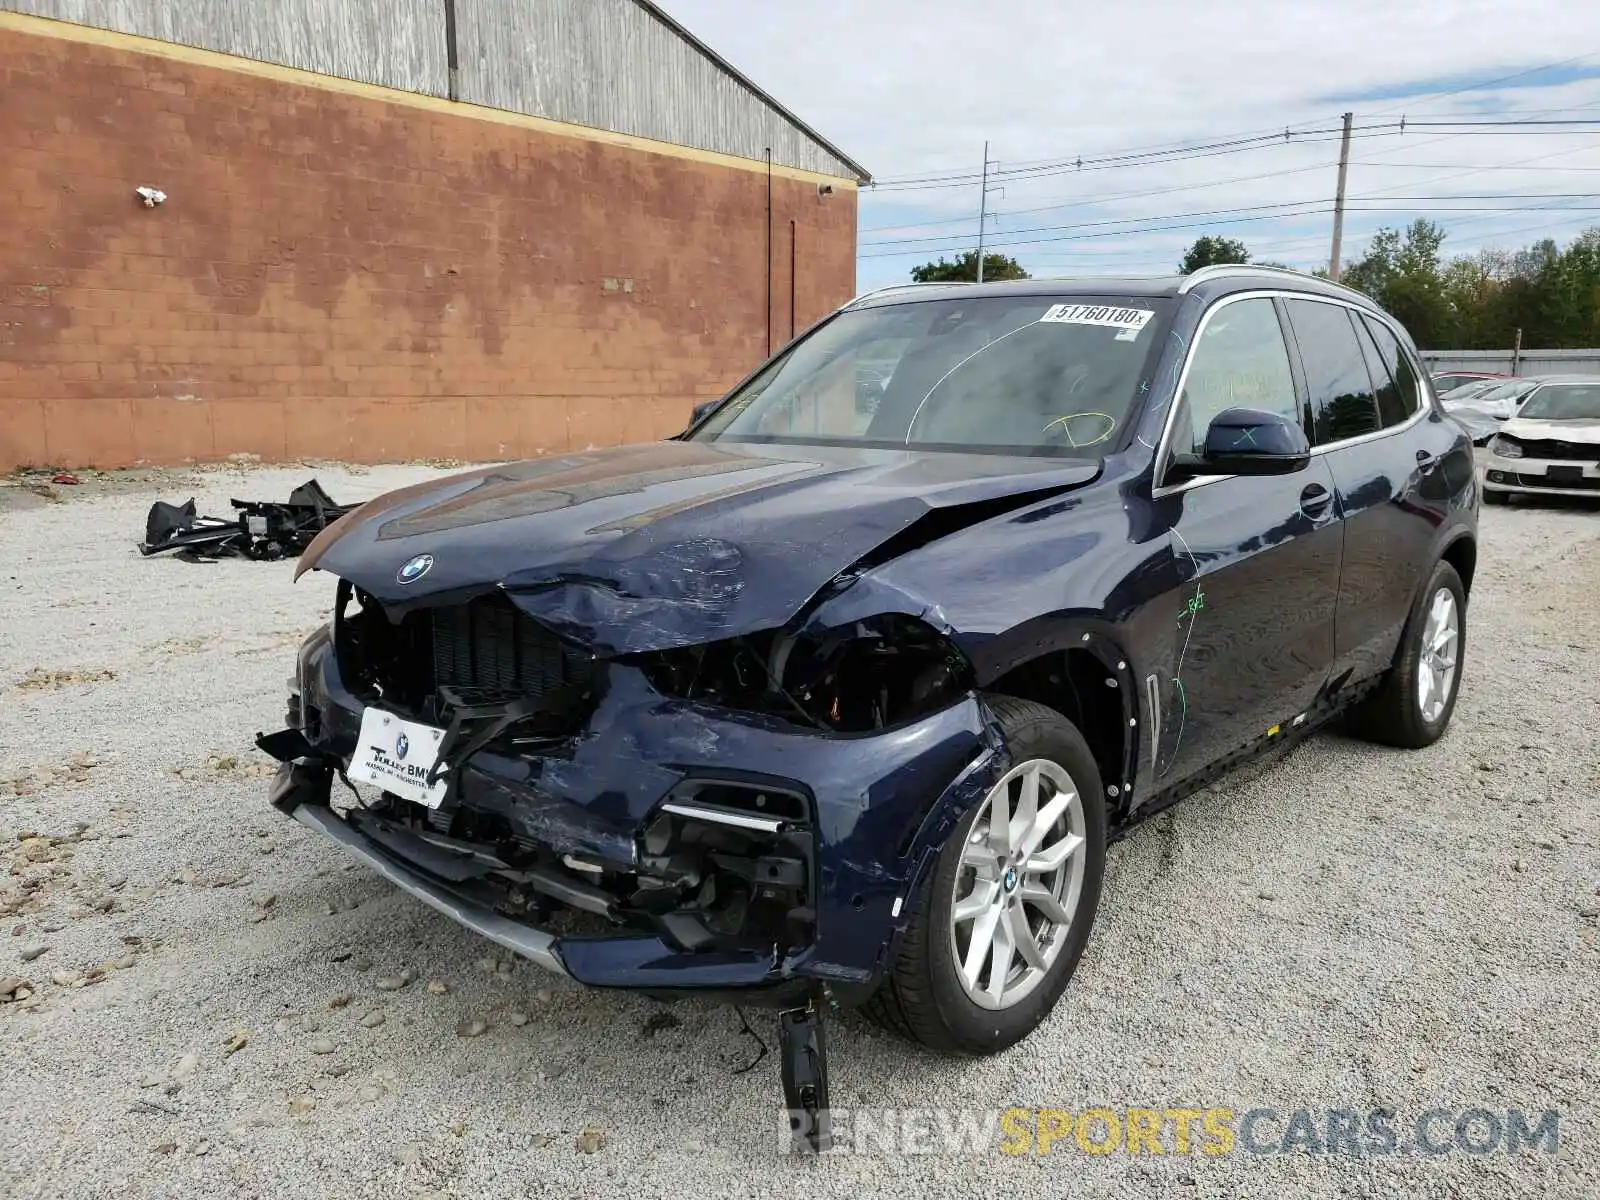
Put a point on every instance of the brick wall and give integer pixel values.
(340, 272)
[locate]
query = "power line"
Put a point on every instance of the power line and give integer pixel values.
(1109, 198)
(1287, 136)
(1326, 208)
(1159, 224)
(1113, 197)
(1476, 168)
(1158, 148)
(915, 244)
(1096, 224)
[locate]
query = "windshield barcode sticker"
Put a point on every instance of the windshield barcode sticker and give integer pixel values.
(1129, 320)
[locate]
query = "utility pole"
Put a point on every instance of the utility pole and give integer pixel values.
(983, 208)
(1338, 201)
(1516, 352)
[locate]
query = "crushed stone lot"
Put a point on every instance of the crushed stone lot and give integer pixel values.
(216, 1005)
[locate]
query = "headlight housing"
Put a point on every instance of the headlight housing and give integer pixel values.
(873, 674)
(1503, 447)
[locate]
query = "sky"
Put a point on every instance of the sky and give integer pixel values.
(912, 89)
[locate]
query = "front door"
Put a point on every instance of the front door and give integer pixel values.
(1258, 557)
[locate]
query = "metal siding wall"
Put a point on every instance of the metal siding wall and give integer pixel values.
(1533, 362)
(394, 43)
(610, 64)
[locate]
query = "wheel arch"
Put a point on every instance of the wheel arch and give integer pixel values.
(1079, 668)
(1461, 552)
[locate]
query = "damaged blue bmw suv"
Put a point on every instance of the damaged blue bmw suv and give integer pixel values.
(837, 697)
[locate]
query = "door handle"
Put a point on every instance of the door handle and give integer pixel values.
(1315, 499)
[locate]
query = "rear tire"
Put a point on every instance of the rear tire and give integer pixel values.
(1402, 711)
(927, 997)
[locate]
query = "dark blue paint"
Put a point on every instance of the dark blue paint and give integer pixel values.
(1244, 601)
(882, 802)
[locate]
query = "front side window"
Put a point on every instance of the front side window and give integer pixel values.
(1023, 374)
(1343, 404)
(1239, 361)
(1563, 402)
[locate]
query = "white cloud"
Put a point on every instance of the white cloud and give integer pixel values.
(914, 87)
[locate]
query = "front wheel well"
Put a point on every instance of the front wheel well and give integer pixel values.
(1094, 696)
(1462, 554)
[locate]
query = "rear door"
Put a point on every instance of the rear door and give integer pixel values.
(1258, 558)
(1389, 471)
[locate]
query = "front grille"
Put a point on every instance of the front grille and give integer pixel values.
(1560, 451)
(1584, 484)
(492, 650)
(485, 652)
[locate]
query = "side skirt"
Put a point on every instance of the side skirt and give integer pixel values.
(1264, 748)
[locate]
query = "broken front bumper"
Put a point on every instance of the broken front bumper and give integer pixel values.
(304, 794)
(881, 807)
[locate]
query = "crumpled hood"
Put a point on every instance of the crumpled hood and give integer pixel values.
(670, 544)
(1534, 430)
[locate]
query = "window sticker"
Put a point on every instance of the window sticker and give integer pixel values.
(1130, 321)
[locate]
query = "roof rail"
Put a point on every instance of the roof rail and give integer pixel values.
(1224, 270)
(897, 287)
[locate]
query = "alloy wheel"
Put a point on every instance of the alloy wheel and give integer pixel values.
(1436, 666)
(1017, 889)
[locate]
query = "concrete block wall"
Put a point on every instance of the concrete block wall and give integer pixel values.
(341, 271)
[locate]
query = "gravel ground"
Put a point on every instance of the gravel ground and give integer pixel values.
(1346, 928)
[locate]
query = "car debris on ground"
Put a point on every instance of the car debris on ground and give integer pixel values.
(262, 530)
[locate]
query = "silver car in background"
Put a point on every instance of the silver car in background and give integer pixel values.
(1486, 411)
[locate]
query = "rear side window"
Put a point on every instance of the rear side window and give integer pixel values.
(1396, 379)
(1343, 404)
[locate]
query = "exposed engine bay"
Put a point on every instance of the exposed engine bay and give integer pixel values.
(870, 675)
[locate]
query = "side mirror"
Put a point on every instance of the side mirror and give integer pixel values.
(1248, 441)
(701, 410)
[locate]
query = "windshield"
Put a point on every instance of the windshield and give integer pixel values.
(1564, 402)
(1507, 391)
(1017, 374)
(1468, 390)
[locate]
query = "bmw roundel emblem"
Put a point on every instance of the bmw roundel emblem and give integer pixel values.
(1010, 879)
(415, 569)
(402, 746)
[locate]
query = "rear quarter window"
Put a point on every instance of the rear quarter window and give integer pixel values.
(1393, 376)
(1343, 404)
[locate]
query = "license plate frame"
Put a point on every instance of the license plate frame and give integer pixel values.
(1563, 473)
(396, 755)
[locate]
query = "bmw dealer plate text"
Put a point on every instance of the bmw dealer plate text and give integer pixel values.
(397, 756)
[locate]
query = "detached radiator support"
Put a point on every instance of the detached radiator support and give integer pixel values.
(803, 1047)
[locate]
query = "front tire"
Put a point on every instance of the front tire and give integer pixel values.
(1496, 497)
(997, 927)
(1412, 706)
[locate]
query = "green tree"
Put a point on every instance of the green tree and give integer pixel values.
(1550, 293)
(1403, 274)
(965, 269)
(1208, 251)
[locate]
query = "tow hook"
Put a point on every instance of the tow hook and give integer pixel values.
(803, 1047)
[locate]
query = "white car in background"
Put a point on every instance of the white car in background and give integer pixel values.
(1551, 446)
